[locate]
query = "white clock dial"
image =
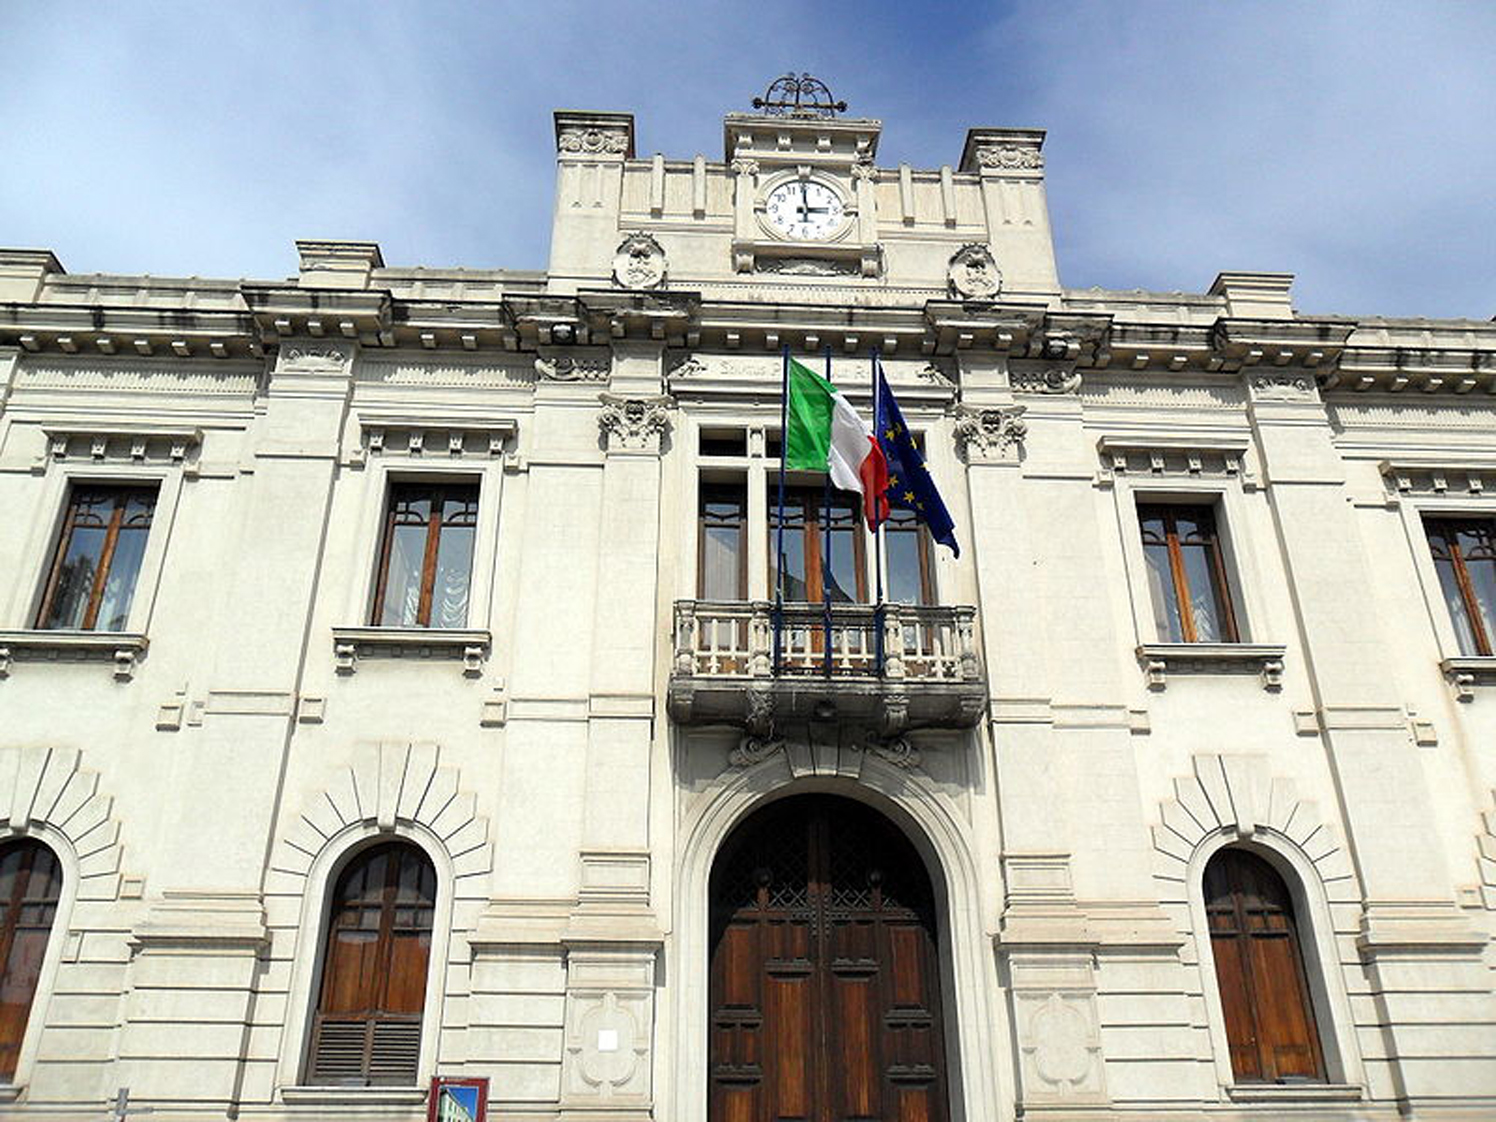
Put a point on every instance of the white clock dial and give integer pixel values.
(803, 209)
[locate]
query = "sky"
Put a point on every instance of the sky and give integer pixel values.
(1352, 144)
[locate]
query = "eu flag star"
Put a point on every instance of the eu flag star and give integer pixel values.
(908, 496)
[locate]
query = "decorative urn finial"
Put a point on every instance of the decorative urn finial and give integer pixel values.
(799, 96)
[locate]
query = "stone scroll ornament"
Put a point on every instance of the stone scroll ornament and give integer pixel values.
(973, 274)
(639, 262)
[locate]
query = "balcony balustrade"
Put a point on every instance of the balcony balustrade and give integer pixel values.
(896, 666)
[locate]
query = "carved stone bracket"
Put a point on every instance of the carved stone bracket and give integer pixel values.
(1159, 660)
(353, 643)
(116, 647)
(990, 434)
(1466, 673)
(634, 424)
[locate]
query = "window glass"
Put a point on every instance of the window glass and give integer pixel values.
(723, 574)
(426, 558)
(97, 560)
(907, 549)
(1185, 575)
(807, 576)
(1464, 553)
(30, 887)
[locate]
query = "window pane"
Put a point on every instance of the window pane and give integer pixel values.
(721, 565)
(1166, 621)
(402, 586)
(795, 587)
(454, 567)
(1449, 584)
(902, 548)
(76, 577)
(119, 582)
(1205, 606)
(1478, 548)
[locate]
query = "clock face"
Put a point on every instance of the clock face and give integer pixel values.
(804, 209)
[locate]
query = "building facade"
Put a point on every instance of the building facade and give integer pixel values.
(390, 683)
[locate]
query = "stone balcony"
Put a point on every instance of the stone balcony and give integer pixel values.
(894, 667)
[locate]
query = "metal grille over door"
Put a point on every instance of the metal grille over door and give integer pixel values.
(825, 981)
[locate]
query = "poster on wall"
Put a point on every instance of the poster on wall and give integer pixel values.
(457, 1100)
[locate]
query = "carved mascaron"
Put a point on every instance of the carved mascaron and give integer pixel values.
(973, 274)
(639, 262)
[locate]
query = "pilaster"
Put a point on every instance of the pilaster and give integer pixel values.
(1413, 937)
(1010, 165)
(590, 152)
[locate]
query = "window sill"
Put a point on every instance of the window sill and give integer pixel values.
(353, 643)
(38, 645)
(10, 1092)
(1162, 659)
(1467, 672)
(1294, 1092)
(353, 1096)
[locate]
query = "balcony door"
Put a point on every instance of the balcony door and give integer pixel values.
(825, 980)
(810, 519)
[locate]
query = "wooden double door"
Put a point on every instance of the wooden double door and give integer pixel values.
(825, 979)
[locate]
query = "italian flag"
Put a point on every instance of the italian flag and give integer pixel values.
(824, 433)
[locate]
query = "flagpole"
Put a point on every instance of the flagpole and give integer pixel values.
(878, 529)
(826, 546)
(784, 437)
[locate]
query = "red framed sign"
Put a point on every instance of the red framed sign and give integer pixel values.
(457, 1100)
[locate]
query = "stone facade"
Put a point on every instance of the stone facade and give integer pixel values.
(571, 765)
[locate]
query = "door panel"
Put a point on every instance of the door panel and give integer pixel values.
(825, 994)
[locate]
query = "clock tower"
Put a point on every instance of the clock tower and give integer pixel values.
(799, 205)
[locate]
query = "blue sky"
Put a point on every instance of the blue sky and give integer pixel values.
(1350, 143)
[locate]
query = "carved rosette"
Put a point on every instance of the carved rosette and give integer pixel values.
(639, 262)
(990, 434)
(633, 424)
(1054, 380)
(972, 273)
(569, 368)
(1283, 387)
(594, 141)
(1009, 157)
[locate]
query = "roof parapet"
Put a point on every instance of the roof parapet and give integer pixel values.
(333, 264)
(1255, 295)
(24, 271)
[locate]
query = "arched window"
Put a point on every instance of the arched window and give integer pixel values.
(30, 884)
(367, 1029)
(1259, 966)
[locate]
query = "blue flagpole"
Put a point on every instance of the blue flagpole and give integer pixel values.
(826, 577)
(878, 530)
(784, 439)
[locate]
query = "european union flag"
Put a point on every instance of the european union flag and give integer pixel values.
(909, 484)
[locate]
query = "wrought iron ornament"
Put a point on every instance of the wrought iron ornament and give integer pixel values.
(802, 96)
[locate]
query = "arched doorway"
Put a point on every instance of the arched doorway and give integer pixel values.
(825, 978)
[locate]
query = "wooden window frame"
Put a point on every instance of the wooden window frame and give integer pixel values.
(123, 492)
(385, 944)
(925, 552)
(1478, 624)
(1222, 590)
(434, 525)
